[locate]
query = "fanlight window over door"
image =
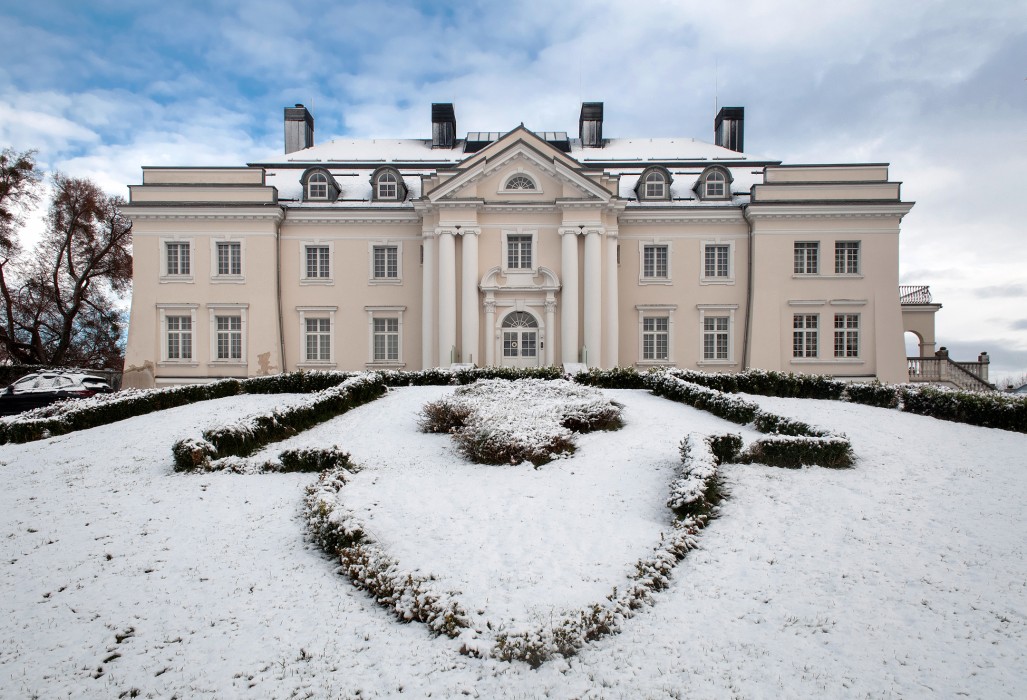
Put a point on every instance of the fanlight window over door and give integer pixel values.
(520, 340)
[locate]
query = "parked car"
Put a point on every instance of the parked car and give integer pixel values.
(43, 388)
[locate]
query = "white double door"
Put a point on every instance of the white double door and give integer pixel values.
(519, 340)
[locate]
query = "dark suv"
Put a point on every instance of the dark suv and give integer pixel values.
(42, 388)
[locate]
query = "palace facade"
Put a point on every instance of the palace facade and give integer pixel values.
(518, 249)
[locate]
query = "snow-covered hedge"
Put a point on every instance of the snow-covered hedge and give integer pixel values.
(496, 421)
(254, 432)
(79, 414)
(409, 596)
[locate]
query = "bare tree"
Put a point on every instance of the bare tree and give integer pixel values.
(58, 301)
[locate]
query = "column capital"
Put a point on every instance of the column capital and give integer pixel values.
(490, 306)
(467, 231)
(443, 230)
(569, 231)
(550, 306)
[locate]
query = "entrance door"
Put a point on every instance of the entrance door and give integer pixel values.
(520, 340)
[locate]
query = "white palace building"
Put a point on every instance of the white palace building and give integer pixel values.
(524, 248)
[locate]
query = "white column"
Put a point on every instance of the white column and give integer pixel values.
(469, 298)
(593, 297)
(428, 301)
(490, 332)
(550, 354)
(447, 296)
(569, 296)
(611, 310)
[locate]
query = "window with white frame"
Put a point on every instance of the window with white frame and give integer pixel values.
(385, 262)
(178, 337)
(846, 258)
(656, 338)
(228, 338)
(716, 338)
(177, 259)
(317, 262)
(807, 258)
(317, 339)
(386, 339)
(519, 251)
(655, 261)
(655, 185)
(388, 186)
(846, 335)
(228, 258)
(717, 261)
(317, 186)
(519, 182)
(805, 335)
(715, 185)
(655, 334)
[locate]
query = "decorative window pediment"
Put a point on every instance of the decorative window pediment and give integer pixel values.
(319, 186)
(387, 185)
(654, 184)
(714, 183)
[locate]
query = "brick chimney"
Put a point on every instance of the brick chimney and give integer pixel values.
(728, 128)
(299, 129)
(443, 125)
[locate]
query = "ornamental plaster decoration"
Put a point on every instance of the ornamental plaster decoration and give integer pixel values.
(545, 280)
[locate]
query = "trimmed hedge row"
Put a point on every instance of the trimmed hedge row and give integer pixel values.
(80, 414)
(791, 443)
(255, 432)
(988, 410)
(409, 596)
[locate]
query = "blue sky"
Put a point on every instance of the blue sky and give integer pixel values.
(937, 89)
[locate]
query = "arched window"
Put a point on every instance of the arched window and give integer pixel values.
(655, 185)
(520, 319)
(317, 186)
(388, 186)
(716, 185)
(520, 182)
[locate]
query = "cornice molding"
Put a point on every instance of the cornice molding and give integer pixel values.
(829, 211)
(139, 213)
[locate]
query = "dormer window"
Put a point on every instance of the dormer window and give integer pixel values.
(714, 183)
(654, 184)
(520, 182)
(387, 185)
(317, 186)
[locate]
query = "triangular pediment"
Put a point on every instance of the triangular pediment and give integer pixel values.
(521, 150)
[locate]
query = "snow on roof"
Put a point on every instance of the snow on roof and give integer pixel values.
(351, 161)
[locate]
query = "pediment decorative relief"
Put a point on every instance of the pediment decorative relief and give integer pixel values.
(541, 280)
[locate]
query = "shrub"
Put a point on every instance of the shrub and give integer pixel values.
(191, 454)
(314, 460)
(796, 451)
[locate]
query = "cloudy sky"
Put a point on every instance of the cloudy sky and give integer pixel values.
(937, 89)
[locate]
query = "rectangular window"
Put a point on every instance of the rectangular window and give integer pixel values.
(386, 340)
(846, 258)
(178, 258)
(318, 262)
(715, 338)
(654, 261)
(318, 340)
(655, 338)
(229, 337)
(716, 261)
(805, 329)
(180, 337)
(229, 258)
(518, 252)
(807, 257)
(846, 335)
(386, 262)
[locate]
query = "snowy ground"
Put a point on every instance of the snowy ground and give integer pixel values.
(905, 576)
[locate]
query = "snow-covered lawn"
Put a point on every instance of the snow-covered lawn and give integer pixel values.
(906, 575)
